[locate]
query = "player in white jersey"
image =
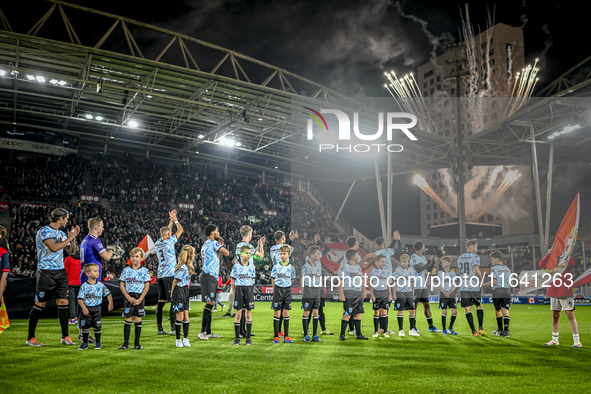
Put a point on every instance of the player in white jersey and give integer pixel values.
(246, 233)
(390, 252)
(134, 283)
(422, 267)
(52, 279)
(470, 293)
(365, 263)
(210, 260)
(275, 258)
(166, 264)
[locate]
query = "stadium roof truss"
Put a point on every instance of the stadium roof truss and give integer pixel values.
(96, 85)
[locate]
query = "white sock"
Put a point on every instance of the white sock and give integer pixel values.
(555, 336)
(576, 338)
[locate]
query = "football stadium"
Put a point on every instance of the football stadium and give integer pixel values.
(179, 214)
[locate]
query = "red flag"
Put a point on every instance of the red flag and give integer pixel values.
(564, 240)
(147, 245)
(584, 279)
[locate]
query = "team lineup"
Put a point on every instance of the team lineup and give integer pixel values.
(404, 286)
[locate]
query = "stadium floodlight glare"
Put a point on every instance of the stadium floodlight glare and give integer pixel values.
(567, 129)
(62, 83)
(88, 116)
(53, 81)
(2, 72)
(200, 136)
(40, 78)
(238, 144)
(132, 123)
(99, 118)
(227, 141)
(31, 77)
(276, 167)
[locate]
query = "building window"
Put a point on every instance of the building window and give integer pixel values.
(435, 215)
(446, 124)
(431, 81)
(481, 219)
(439, 87)
(432, 90)
(428, 216)
(494, 115)
(427, 74)
(425, 93)
(453, 91)
(434, 186)
(434, 205)
(428, 207)
(489, 217)
(491, 52)
(491, 62)
(434, 176)
(446, 131)
(425, 84)
(428, 197)
(438, 78)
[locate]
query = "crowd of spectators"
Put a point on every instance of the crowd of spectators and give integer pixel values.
(42, 178)
(125, 181)
(140, 195)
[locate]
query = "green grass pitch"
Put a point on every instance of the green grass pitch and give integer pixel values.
(430, 363)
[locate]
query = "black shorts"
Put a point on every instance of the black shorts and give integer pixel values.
(469, 298)
(502, 303)
(445, 303)
(404, 302)
(244, 297)
(164, 287)
(209, 287)
(381, 303)
(311, 298)
(134, 310)
(51, 283)
(180, 299)
(93, 319)
(421, 295)
(281, 298)
(353, 304)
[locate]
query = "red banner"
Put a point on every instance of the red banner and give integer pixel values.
(4, 205)
(564, 240)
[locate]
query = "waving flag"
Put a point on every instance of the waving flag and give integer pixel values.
(147, 245)
(4, 322)
(565, 239)
(584, 279)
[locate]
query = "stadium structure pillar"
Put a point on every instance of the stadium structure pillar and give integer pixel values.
(263, 177)
(380, 199)
(534, 155)
(548, 199)
(345, 200)
(226, 171)
(389, 196)
(461, 182)
(105, 150)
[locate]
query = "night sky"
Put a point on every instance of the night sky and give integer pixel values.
(347, 46)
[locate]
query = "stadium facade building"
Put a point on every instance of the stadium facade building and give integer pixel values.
(505, 58)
